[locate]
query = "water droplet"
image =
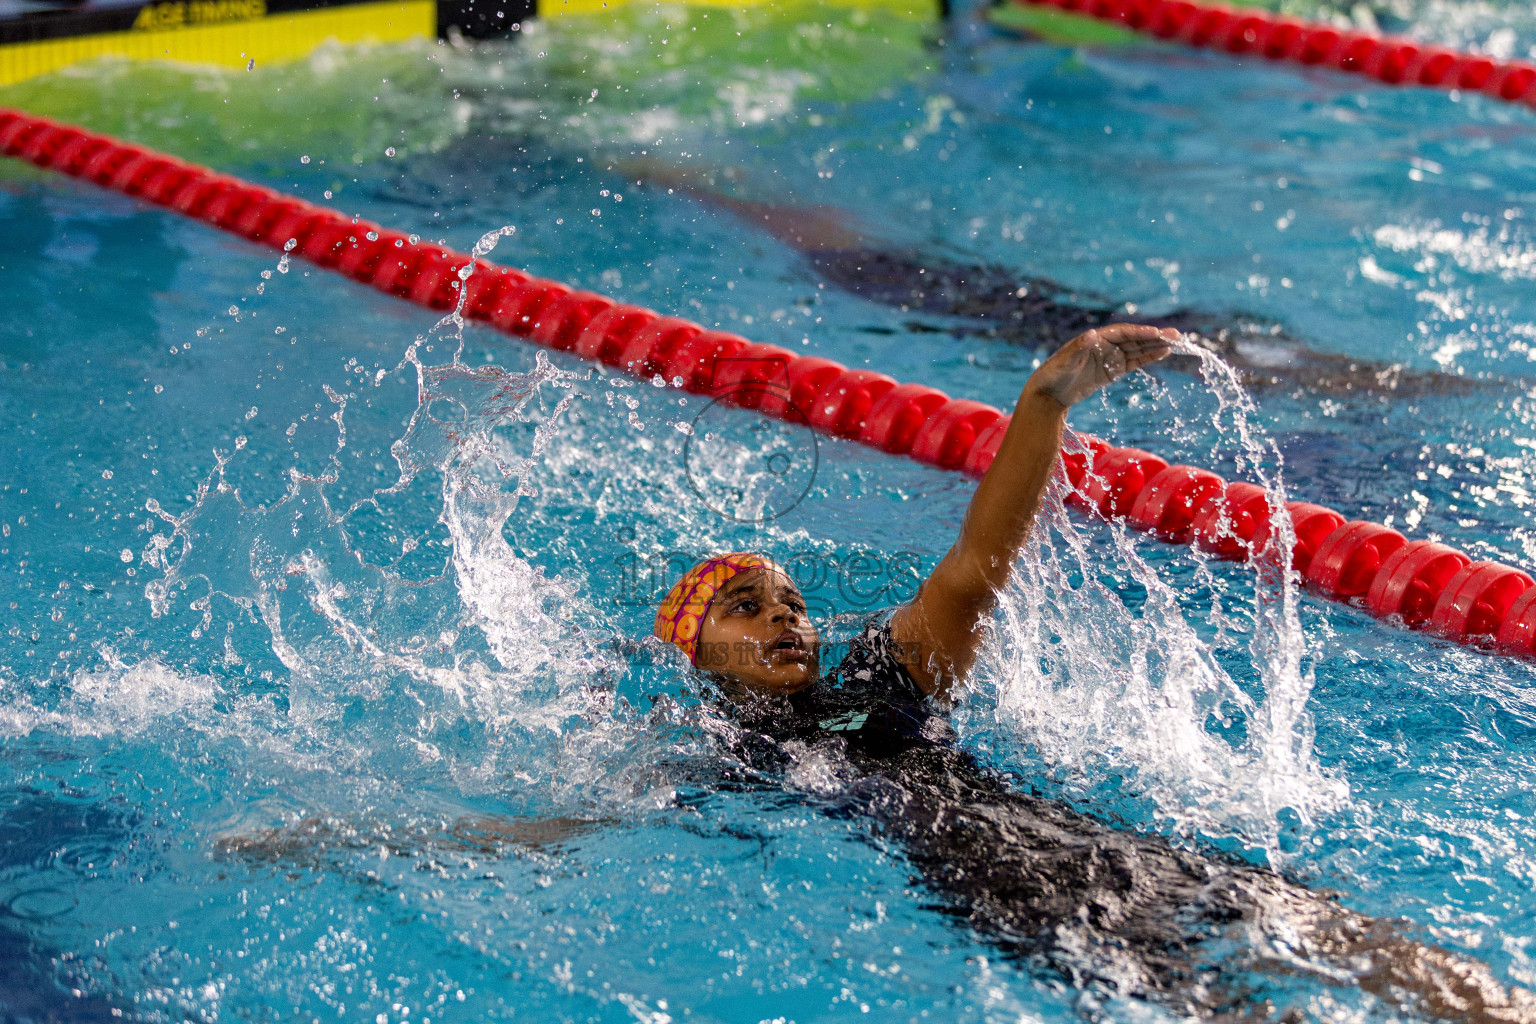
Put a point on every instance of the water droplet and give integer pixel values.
(329, 194)
(304, 159)
(234, 310)
(125, 555)
(106, 474)
(389, 151)
(159, 388)
(413, 238)
(250, 416)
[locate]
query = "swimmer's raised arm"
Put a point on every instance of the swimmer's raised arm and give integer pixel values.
(940, 629)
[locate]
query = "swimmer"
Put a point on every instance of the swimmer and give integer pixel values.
(1124, 914)
(992, 301)
(1113, 914)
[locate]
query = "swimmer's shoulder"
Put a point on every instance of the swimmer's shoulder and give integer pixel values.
(868, 662)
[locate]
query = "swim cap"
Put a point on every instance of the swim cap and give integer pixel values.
(682, 610)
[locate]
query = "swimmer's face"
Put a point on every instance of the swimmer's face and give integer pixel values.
(756, 634)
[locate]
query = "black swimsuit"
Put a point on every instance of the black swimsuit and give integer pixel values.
(868, 701)
(1030, 874)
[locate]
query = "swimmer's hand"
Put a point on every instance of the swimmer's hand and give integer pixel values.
(1093, 359)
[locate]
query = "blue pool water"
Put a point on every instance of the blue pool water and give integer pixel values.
(267, 564)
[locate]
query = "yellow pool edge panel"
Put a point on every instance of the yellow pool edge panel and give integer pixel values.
(925, 9)
(232, 33)
(265, 38)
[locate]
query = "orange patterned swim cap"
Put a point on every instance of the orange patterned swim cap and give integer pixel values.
(682, 610)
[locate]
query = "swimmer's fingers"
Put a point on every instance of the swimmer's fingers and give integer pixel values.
(1097, 357)
(1136, 345)
(1118, 334)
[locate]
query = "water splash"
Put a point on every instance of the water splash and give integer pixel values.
(483, 654)
(1122, 697)
(1105, 680)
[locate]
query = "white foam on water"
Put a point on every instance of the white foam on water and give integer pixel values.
(129, 700)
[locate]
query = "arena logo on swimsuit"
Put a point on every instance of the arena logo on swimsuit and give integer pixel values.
(851, 722)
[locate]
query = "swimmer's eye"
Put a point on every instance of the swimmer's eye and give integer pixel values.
(746, 605)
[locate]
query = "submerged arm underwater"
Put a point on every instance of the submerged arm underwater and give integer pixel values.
(1118, 913)
(326, 841)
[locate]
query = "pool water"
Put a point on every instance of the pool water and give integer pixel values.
(296, 577)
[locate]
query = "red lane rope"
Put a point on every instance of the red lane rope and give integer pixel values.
(1422, 584)
(1245, 30)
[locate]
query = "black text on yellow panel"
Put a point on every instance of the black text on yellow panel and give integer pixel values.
(40, 38)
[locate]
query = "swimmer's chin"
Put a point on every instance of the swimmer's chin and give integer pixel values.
(775, 686)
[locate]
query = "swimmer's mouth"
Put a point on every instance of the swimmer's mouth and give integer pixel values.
(788, 646)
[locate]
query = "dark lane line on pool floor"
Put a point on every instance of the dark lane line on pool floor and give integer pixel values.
(1034, 312)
